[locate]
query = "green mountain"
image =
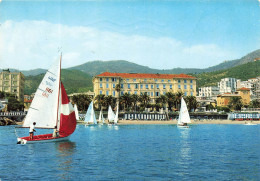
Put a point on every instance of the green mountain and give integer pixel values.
(243, 72)
(73, 80)
(232, 63)
(122, 66)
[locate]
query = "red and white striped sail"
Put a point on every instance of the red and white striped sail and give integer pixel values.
(68, 121)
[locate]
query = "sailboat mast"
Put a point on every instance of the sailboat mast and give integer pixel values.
(58, 95)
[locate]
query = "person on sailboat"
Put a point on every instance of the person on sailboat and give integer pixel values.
(55, 133)
(32, 130)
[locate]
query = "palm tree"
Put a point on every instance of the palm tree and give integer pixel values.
(126, 100)
(100, 100)
(191, 102)
(135, 99)
(161, 100)
(109, 100)
(178, 97)
(235, 103)
(170, 99)
(82, 101)
(118, 88)
(144, 99)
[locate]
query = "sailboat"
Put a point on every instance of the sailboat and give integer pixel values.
(101, 119)
(90, 117)
(111, 115)
(76, 111)
(50, 109)
(184, 116)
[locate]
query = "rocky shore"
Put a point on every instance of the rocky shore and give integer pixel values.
(6, 121)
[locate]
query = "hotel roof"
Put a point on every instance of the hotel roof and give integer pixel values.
(243, 89)
(141, 75)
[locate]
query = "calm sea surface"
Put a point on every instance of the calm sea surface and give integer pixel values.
(136, 152)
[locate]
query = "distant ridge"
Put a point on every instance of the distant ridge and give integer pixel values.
(122, 66)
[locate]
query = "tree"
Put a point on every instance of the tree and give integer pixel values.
(109, 100)
(235, 103)
(82, 101)
(100, 100)
(161, 100)
(191, 102)
(126, 100)
(118, 88)
(170, 99)
(144, 99)
(14, 104)
(254, 104)
(178, 97)
(134, 98)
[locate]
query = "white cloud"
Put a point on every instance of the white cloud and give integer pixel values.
(35, 44)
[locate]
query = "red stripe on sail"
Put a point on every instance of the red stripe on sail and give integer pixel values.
(67, 122)
(64, 97)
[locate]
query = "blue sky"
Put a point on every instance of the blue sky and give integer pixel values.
(158, 34)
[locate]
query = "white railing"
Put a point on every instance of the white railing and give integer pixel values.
(12, 113)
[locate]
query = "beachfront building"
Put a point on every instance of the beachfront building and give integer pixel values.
(139, 83)
(209, 92)
(244, 93)
(227, 85)
(12, 82)
(255, 88)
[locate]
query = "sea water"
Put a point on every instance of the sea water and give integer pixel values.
(135, 152)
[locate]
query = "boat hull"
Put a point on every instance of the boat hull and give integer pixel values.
(40, 139)
(180, 126)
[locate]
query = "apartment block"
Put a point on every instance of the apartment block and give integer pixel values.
(12, 82)
(138, 83)
(208, 92)
(227, 85)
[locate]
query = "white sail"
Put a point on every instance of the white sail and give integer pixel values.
(111, 114)
(116, 116)
(76, 111)
(101, 117)
(184, 116)
(90, 115)
(43, 109)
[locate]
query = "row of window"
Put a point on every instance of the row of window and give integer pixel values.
(148, 93)
(145, 80)
(136, 86)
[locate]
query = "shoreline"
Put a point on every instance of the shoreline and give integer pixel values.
(174, 122)
(215, 121)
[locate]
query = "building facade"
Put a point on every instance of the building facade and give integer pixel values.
(227, 85)
(244, 93)
(208, 92)
(12, 82)
(137, 83)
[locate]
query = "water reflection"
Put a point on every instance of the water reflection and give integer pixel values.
(65, 151)
(185, 147)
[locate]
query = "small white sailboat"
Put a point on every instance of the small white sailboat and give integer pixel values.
(250, 123)
(90, 117)
(76, 111)
(50, 109)
(111, 115)
(101, 119)
(184, 117)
